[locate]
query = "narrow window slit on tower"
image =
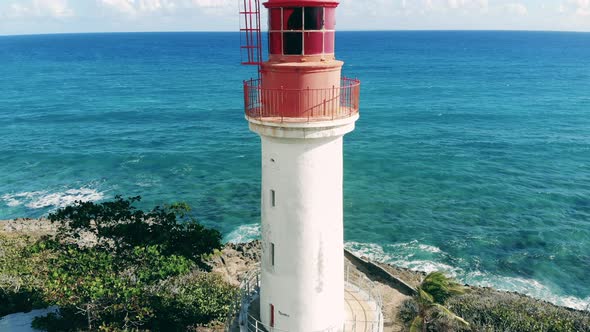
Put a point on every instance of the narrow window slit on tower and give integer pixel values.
(272, 198)
(272, 254)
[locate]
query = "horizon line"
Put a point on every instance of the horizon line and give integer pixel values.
(231, 31)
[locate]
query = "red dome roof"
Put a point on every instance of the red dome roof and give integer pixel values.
(300, 3)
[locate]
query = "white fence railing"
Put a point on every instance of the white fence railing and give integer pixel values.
(354, 280)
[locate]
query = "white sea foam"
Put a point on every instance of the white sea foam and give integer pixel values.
(65, 198)
(132, 161)
(148, 183)
(428, 266)
(43, 199)
(146, 180)
(416, 246)
(181, 169)
(428, 248)
(244, 233)
(526, 286)
(420, 257)
(408, 255)
(11, 200)
(372, 251)
(18, 199)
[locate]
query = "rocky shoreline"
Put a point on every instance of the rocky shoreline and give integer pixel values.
(236, 260)
(28, 226)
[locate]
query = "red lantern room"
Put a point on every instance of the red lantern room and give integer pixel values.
(301, 28)
(301, 81)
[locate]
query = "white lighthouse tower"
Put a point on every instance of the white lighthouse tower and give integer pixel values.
(301, 108)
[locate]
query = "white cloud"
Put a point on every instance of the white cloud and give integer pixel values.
(134, 8)
(466, 4)
(17, 10)
(579, 7)
(391, 8)
(55, 8)
(516, 9)
(21, 16)
(435, 5)
(39, 8)
(137, 7)
(214, 3)
(122, 6)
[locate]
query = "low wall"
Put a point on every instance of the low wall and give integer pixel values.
(378, 271)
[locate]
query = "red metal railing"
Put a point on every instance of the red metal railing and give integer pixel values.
(296, 105)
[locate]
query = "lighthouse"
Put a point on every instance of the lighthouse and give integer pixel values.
(301, 107)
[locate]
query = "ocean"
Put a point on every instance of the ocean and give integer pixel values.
(471, 156)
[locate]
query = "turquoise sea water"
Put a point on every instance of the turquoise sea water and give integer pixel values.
(472, 154)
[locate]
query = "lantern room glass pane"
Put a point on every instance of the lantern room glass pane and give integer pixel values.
(314, 18)
(330, 19)
(275, 19)
(329, 42)
(314, 42)
(293, 18)
(293, 43)
(275, 44)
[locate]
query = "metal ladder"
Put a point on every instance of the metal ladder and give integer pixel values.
(250, 32)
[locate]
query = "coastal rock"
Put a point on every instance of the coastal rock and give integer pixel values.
(235, 260)
(38, 227)
(31, 227)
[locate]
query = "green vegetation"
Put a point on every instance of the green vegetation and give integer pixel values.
(119, 227)
(194, 297)
(113, 267)
(490, 310)
(484, 310)
(18, 284)
(431, 294)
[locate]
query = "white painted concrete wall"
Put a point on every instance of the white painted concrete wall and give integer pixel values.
(305, 285)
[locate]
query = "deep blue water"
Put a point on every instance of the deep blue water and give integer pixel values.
(472, 154)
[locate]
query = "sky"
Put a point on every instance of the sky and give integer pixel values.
(71, 16)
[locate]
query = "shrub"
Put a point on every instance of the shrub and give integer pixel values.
(408, 311)
(155, 292)
(105, 289)
(193, 299)
(114, 267)
(489, 310)
(18, 284)
(119, 227)
(441, 287)
(429, 303)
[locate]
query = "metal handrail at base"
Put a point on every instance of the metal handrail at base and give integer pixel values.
(354, 280)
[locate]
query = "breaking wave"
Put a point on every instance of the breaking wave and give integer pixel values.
(45, 199)
(415, 256)
(411, 255)
(244, 233)
(526, 286)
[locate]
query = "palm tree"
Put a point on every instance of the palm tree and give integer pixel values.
(431, 294)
